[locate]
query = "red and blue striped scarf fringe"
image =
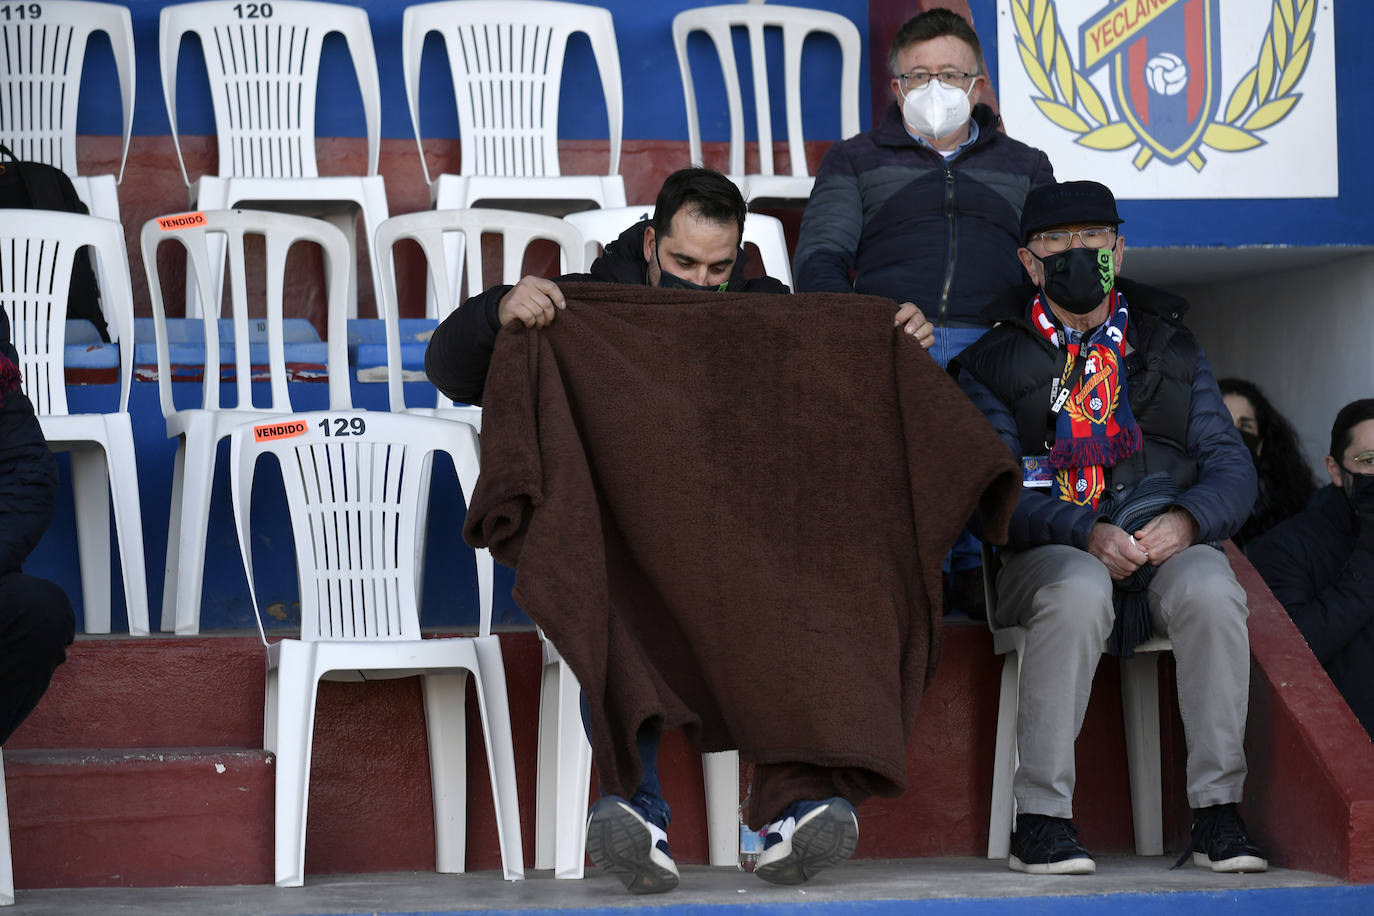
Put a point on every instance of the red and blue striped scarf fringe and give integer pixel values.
(1095, 428)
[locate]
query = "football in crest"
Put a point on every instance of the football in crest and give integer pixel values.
(1166, 74)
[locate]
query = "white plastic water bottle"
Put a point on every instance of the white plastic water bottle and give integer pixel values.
(750, 845)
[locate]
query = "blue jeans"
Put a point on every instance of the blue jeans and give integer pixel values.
(949, 343)
(648, 798)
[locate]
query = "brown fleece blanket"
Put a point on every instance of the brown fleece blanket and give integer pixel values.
(729, 511)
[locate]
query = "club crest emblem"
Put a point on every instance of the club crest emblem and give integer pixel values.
(1161, 62)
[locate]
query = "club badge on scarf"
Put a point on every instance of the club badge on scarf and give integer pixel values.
(1094, 427)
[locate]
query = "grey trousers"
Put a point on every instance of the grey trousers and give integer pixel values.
(1063, 596)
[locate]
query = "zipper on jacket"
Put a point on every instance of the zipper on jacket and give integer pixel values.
(953, 243)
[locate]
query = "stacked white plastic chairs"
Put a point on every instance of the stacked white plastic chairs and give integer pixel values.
(199, 429)
(354, 487)
(44, 52)
(36, 254)
(263, 61)
(796, 24)
(507, 65)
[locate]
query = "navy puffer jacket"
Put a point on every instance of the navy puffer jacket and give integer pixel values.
(891, 217)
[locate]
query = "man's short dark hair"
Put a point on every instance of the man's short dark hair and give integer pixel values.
(1350, 416)
(706, 193)
(934, 24)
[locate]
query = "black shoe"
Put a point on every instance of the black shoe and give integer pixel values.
(1220, 842)
(623, 843)
(1043, 845)
(808, 836)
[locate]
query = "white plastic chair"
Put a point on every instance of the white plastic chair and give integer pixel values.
(6, 863)
(200, 429)
(35, 268)
(39, 84)
(263, 61)
(451, 241)
(1140, 711)
(796, 24)
(600, 227)
(507, 65)
(354, 484)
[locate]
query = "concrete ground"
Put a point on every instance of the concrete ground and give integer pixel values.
(1123, 884)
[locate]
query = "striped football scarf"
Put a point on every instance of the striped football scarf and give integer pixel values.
(1094, 427)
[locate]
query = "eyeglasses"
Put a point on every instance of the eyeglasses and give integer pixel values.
(917, 79)
(1058, 240)
(1364, 463)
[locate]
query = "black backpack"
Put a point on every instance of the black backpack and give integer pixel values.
(39, 186)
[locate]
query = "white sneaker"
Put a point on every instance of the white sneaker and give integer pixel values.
(809, 836)
(621, 842)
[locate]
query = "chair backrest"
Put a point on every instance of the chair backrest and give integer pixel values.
(796, 24)
(35, 272)
(356, 488)
(264, 62)
(507, 64)
(600, 227)
(194, 232)
(43, 48)
(431, 229)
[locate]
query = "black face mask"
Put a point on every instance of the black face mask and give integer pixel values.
(1079, 278)
(1252, 442)
(1359, 489)
(673, 281)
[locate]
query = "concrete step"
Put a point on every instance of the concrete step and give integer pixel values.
(167, 712)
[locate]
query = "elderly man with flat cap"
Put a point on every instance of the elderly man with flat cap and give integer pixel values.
(1133, 474)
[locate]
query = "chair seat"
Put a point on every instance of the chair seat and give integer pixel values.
(451, 192)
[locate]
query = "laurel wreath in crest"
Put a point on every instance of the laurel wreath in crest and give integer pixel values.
(1261, 99)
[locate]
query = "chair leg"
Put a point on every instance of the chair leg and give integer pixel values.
(6, 863)
(572, 773)
(269, 710)
(721, 776)
(1004, 762)
(297, 687)
(346, 219)
(495, 707)
(1140, 702)
(91, 494)
(374, 212)
(171, 572)
(128, 515)
(446, 727)
(195, 474)
(546, 767)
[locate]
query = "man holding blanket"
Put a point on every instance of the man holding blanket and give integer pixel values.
(673, 476)
(1109, 403)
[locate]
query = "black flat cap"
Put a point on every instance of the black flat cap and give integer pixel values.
(1067, 202)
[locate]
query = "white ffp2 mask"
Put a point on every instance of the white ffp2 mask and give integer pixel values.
(936, 110)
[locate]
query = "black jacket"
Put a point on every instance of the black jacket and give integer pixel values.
(889, 216)
(459, 353)
(1326, 583)
(1187, 428)
(28, 471)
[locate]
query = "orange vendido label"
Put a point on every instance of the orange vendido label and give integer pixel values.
(181, 221)
(285, 430)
